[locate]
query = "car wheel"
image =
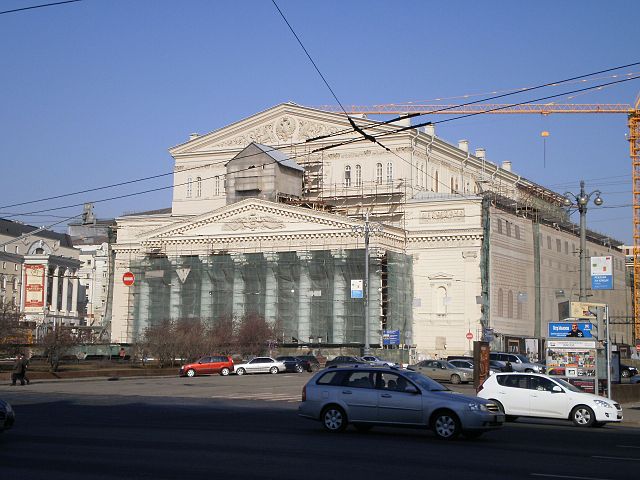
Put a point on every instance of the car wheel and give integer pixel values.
(625, 373)
(191, 372)
(334, 419)
(274, 370)
(583, 416)
(445, 425)
(455, 378)
(240, 371)
(363, 427)
(224, 372)
(299, 369)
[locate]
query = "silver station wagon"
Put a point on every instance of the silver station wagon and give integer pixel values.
(365, 396)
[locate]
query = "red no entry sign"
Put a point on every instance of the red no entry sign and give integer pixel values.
(469, 336)
(128, 279)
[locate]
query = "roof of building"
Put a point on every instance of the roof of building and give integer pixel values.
(279, 157)
(16, 229)
(160, 211)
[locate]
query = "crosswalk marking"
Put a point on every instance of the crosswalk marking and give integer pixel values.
(268, 397)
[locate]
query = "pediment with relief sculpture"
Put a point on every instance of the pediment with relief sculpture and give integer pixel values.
(284, 124)
(251, 217)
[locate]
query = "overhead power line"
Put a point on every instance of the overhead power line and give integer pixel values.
(38, 6)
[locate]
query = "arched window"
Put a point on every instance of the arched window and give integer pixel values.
(15, 284)
(347, 176)
(4, 282)
(189, 187)
(437, 182)
(389, 173)
(500, 303)
(510, 304)
(358, 178)
(198, 187)
(217, 185)
(378, 173)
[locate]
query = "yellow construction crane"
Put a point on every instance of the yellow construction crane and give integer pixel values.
(632, 112)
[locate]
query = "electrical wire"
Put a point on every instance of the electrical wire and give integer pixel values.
(38, 6)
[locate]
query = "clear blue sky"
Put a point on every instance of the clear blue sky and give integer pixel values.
(95, 92)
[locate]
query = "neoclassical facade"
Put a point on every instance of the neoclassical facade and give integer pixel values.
(462, 252)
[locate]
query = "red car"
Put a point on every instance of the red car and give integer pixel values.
(221, 364)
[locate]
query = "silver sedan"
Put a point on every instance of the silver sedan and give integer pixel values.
(260, 365)
(441, 370)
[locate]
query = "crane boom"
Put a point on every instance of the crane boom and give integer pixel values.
(632, 111)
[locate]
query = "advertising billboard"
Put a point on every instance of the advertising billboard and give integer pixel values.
(602, 273)
(570, 330)
(34, 278)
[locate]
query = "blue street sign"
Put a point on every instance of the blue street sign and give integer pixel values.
(391, 337)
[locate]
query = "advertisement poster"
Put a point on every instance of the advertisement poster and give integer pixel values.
(571, 359)
(34, 288)
(570, 330)
(602, 273)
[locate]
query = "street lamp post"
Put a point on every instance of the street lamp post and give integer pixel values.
(581, 201)
(366, 230)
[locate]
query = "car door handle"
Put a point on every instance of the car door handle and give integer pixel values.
(386, 395)
(347, 392)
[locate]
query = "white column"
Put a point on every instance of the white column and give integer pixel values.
(375, 285)
(65, 291)
(174, 293)
(54, 291)
(339, 295)
(238, 285)
(206, 293)
(271, 288)
(143, 310)
(74, 294)
(304, 297)
(22, 288)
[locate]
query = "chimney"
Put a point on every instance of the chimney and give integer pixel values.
(193, 136)
(463, 145)
(430, 130)
(506, 165)
(481, 153)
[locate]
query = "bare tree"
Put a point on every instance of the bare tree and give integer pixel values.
(220, 336)
(159, 340)
(56, 343)
(253, 335)
(190, 338)
(10, 332)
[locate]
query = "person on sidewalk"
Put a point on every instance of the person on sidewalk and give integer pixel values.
(18, 370)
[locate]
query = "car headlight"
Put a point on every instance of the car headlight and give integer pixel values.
(478, 407)
(602, 403)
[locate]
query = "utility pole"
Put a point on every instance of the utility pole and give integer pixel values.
(581, 201)
(366, 230)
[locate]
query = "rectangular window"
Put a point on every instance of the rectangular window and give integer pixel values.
(508, 229)
(517, 232)
(566, 247)
(558, 245)
(499, 226)
(389, 173)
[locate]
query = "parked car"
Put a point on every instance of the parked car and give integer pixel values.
(519, 362)
(7, 416)
(365, 396)
(260, 365)
(207, 365)
(538, 395)
(377, 361)
(344, 360)
(627, 371)
(292, 364)
(441, 370)
(312, 365)
(467, 366)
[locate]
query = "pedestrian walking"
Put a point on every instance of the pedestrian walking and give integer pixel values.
(18, 370)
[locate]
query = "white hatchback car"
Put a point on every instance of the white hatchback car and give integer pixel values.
(538, 395)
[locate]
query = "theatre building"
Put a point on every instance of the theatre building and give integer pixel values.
(264, 220)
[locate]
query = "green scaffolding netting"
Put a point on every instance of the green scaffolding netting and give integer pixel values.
(307, 293)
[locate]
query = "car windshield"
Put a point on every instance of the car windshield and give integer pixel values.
(523, 358)
(449, 365)
(568, 386)
(425, 382)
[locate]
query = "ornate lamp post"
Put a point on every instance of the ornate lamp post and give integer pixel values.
(366, 230)
(581, 201)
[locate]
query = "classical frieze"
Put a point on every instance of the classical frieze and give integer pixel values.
(449, 215)
(254, 222)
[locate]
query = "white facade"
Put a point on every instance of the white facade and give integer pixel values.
(465, 252)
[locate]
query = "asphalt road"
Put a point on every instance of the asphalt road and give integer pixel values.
(247, 427)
